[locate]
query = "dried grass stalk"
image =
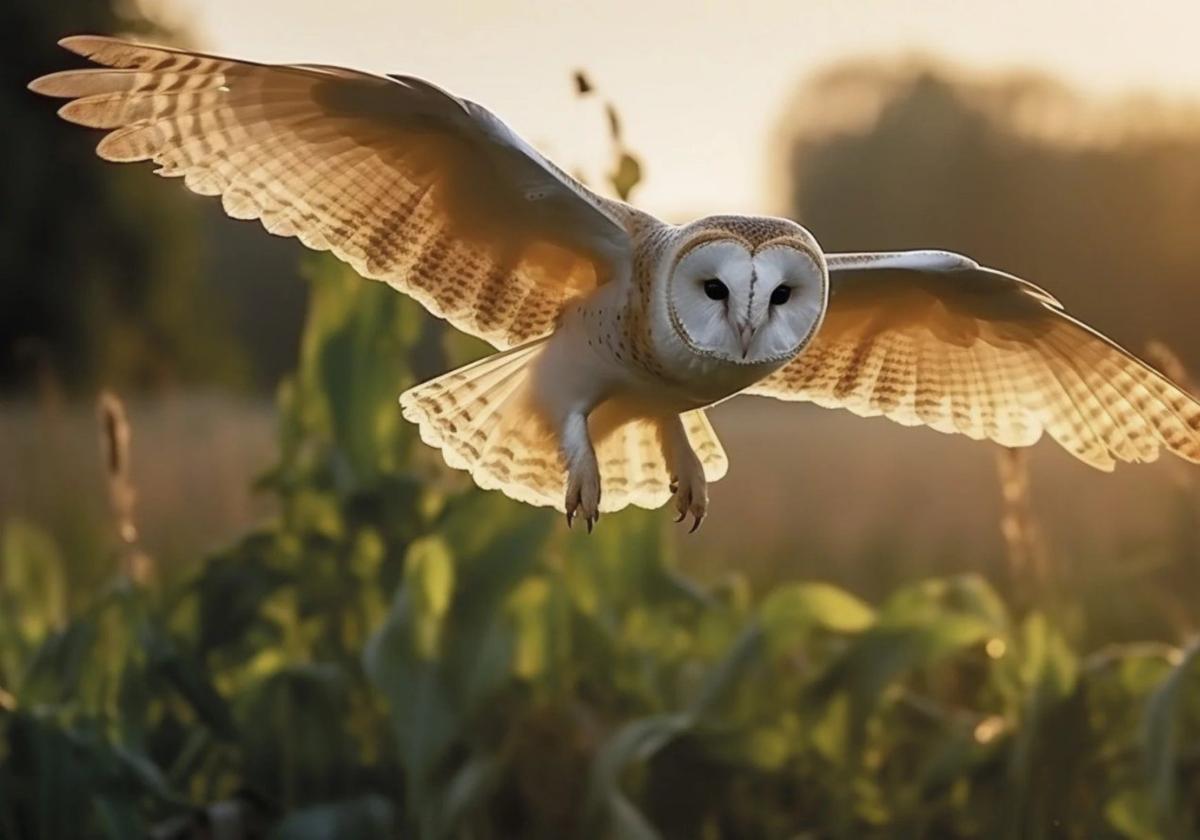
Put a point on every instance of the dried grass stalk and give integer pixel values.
(1027, 556)
(115, 439)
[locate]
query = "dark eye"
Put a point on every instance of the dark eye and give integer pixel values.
(715, 289)
(780, 295)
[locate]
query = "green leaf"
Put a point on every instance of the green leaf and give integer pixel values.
(628, 823)
(231, 590)
(974, 595)
(831, 732)
(423, 714)
(429, 582)
(607, 809)
(57, 668)
(33, 588)
(722, 679)
(310, 511)
(528, 607)
(118, 818)
(791, 612)
(884, 654)
(468, 790)
(915, 629)
(179, 668)
(1039, 764)
(48, 776)
(148, 775)
(356, 347)
(367, 818)
(1047, 661)
(1160, 737)
(308, 698)
(1140, 671)
(1132, 813)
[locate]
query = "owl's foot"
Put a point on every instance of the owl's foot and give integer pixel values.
(583, 495)
(690, 489)
(583, 473)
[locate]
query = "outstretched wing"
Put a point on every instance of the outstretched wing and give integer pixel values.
(430, 193)
(931, 338)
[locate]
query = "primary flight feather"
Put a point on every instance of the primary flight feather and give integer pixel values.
(616, 330)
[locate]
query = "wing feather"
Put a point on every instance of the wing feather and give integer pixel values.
(410, 185)
(931, 338)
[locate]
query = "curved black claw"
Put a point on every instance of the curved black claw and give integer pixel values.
(576, 510)
(681, 515)
(696, 524)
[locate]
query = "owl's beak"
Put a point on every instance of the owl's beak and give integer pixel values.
(746, 331)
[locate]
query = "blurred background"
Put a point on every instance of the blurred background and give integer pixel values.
(270, 543)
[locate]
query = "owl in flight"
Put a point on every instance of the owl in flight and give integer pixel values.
(615, 331)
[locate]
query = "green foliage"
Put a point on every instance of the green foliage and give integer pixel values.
(398, 654)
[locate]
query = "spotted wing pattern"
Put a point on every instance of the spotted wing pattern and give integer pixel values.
(410, 185)
(929, 338)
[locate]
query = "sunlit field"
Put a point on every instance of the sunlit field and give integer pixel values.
(239, 598)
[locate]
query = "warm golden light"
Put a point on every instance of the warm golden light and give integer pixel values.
(697, 83)
(988, 728)
(346, 601)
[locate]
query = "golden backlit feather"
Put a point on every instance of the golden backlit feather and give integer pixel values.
(482, 419)
(980, 353)
(405, 182)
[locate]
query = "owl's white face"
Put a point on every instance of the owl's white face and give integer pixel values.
(747, 308)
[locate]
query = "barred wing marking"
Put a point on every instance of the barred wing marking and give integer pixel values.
(932, 338)
(410, 185)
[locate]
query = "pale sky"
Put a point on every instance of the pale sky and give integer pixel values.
(700, 85)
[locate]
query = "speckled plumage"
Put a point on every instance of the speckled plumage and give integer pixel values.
(614, 337)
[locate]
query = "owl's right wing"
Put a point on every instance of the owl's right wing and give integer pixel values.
(408, 184)
(932, 338)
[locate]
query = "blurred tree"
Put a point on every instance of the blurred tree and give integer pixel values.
(99, 266)
(1096, 202)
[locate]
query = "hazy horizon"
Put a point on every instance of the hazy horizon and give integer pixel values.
(700, 86)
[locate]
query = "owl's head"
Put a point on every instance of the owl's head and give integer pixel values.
(746, 290)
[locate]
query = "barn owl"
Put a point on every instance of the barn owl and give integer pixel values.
(615, 331)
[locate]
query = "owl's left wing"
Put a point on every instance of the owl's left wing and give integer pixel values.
(932, 338)
(431, 193)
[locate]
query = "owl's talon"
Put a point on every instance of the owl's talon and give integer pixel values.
(583, 497)
(691, 493)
